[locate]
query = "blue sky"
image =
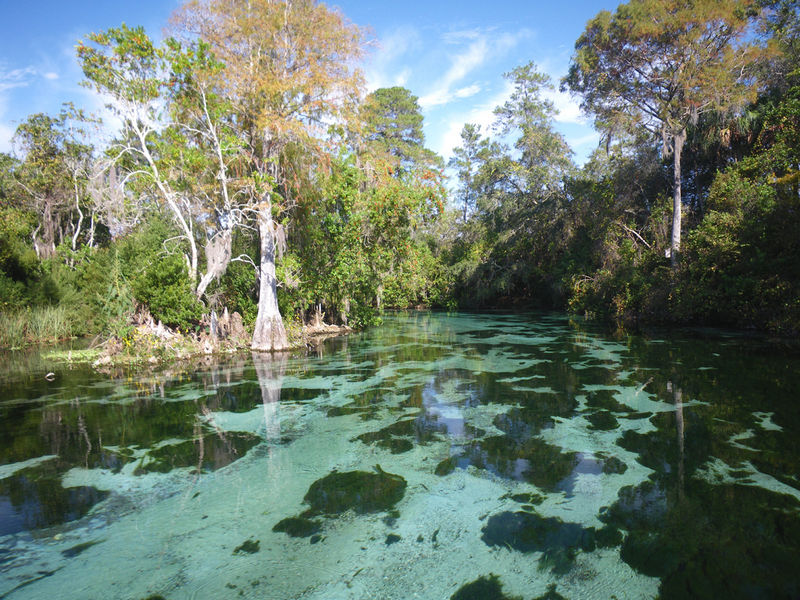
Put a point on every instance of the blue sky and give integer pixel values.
(452, 55)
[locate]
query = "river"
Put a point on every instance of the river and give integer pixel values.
(435, 456)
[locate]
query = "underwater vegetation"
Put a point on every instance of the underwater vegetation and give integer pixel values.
(359, 491)
(483, 588)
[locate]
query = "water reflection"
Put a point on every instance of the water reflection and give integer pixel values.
(150, 428)
(270, 369)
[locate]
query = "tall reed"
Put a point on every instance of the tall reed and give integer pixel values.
(34, 325)
(12, 329)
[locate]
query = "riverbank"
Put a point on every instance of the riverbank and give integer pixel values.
(151, 343)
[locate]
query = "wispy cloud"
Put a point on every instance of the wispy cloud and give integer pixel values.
(482, 114)
(468, 91)
(462, 65)
(456, 37)
(590, 139)
(381, 69)
(483, 47)
(14, 78)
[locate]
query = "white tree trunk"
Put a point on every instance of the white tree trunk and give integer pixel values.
(677, 204)
(269, 334)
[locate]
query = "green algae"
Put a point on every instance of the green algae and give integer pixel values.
(627, 430)
(602, 421)
(79, 548)
(612, 465)
(551, 594)
(529, 532)
(248, 547)
(37, 499)
(447, 466)
(402, 435)
(208, 452)
(483, 588)
(532, 499)
(360, 491)
(298, 526)
(532, 460)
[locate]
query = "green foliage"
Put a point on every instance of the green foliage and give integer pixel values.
(239, 291)
(168, 294)
(367, 230)
(393, 129)
(116, 300)
(743, 268)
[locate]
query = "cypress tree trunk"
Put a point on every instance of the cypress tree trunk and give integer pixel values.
(677, 148)
(269, 334)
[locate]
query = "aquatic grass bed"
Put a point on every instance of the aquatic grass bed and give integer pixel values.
(448, 456)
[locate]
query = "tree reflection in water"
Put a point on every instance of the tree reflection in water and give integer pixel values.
(270, 369)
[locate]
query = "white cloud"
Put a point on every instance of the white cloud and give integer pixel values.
(381, 69)
(468, 91)
(482, 114)
(569, 110)
(50, 75)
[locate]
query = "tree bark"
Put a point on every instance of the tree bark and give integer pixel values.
(677, 204)
(269, 334)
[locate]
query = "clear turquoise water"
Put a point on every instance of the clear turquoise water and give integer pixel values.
(434, 456)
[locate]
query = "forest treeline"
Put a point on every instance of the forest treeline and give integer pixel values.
(249, 171)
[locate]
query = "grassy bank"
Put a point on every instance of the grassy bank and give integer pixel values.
(37, 325)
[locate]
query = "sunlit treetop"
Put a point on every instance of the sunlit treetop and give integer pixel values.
(659, 64)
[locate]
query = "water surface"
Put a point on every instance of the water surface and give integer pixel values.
(436, 456)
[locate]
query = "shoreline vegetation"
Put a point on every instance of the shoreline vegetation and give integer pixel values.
(228, 191)
(151, 344)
